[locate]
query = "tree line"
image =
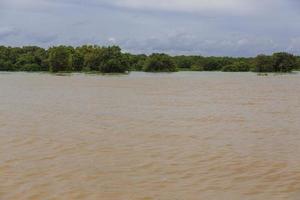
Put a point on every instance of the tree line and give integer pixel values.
(111, 59)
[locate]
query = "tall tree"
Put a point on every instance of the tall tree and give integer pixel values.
(284, 62)
(59, 58)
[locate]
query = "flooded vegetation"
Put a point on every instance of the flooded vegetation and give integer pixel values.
(111, 59)
(185, 135)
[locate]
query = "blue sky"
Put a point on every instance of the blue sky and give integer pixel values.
(206, 27)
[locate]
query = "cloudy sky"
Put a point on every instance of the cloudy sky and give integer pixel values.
(207, 27)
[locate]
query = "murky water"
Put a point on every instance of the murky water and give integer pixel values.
(185, 136)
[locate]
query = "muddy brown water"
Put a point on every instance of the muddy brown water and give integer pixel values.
(184, 136)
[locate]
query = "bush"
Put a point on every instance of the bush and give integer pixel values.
(263, 63)
(6, 65)
(196, 68)
(297, 67)
(112, 60)
(278, 62)
(113, 66)
(160, 63)
(59, 58)
(212, 64)
(284, 62)
(237, 67)
(183, 62)
(31, 67)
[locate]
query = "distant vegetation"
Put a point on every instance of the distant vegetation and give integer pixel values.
(92, 58)
(160, 63)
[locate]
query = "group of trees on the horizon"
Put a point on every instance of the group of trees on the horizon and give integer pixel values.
(93, 58)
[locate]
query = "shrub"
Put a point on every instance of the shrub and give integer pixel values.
(197, 68)
(6, 65)
(237, 67)
(263, 63)
(284, 62)
(113, 66)
(31, 67)
(160, 63)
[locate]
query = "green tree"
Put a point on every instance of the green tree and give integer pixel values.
(92, 57)
(6, 65)
(263, 63)
(184, 62)
(76, 61)
(238, 66)
(283, 62)
(4, 53)
(59, 58)
(160, 63)
(297, 67)
(33, 67)
(134, 62)
(29, 56)
(197, 67)
(113, 61)
(212, 64)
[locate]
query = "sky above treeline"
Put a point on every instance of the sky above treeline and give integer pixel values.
(206, 27)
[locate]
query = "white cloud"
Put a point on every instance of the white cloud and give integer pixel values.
(187, 5)
(233, 7)
(112, 40)
(209, 27)
(294, 45)
(184, 43)
(24, 3)
(7, 31)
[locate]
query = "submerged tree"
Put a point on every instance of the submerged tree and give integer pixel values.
(112, 60)
(278, 62)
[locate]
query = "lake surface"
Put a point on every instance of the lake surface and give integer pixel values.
(183, 136)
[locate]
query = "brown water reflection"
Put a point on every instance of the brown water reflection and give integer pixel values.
(185, 136)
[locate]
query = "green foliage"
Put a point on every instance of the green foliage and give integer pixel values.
(59, 59)
(92, 57)
(197, 67)
(135, 62)
(239, 66)
(278, 62)
(113, 60)
(6, 65)
(160, 63)
(76, 61)
(112, 66)
(214, 63)
(297, 64)
(184, 62)
(264, 63)
(284, 62)
(33, 67)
